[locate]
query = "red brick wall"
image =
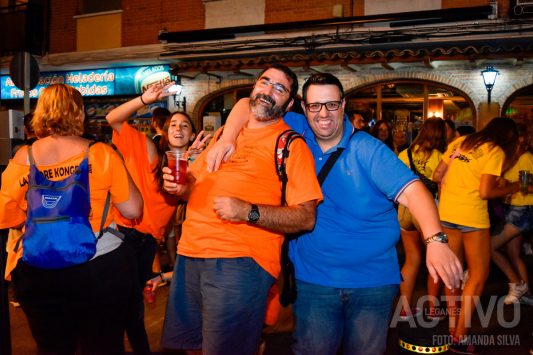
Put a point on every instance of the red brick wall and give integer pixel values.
(142, 20)
(62, 26)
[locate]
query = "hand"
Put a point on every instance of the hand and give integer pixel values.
(199, 144)
(156, 92)
(231, 208)
(442, 262)
(159, 279)
(220, 152)
(169, 185)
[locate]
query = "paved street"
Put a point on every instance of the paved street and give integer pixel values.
(504, 331)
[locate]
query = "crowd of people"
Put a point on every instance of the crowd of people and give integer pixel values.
(352, 195)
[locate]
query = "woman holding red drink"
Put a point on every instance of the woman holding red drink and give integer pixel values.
(144, 161)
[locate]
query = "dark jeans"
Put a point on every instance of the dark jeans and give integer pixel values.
(217, 305)
(80, 309)
(144, 247)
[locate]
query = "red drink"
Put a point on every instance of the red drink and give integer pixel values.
(149, 295)
(177, 162)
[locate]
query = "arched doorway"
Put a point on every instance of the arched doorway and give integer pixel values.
(406, 103)
(213, 109)
(519, 106)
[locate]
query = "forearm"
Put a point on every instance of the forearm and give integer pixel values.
(236, 120)
(288, 219)
(279, 219)
(492, 186)
(121, 114)
(439, 172)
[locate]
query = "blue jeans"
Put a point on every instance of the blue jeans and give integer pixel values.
(217, 305)
(354, 319)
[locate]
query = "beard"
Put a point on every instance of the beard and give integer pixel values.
(263, 113)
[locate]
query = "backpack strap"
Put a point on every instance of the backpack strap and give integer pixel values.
(30, 155)
(281, 154)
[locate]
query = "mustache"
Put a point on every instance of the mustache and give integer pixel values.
(266, 98)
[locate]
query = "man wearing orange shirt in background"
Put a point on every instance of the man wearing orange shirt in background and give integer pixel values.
(229, 252)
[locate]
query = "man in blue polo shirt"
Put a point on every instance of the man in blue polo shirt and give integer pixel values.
(346, 268)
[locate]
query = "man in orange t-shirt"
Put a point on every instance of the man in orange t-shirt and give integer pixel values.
(229, 252)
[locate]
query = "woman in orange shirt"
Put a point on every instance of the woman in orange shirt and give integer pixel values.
(82, 307)
(144, 161)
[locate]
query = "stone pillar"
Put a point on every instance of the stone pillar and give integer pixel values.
(486, 112)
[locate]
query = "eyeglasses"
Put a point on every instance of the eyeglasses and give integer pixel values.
(317, 106)
(278, 88)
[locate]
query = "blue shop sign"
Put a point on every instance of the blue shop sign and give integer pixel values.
(97, 82)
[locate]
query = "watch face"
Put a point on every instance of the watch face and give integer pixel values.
(253, 215)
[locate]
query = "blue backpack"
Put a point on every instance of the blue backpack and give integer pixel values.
(58, 233)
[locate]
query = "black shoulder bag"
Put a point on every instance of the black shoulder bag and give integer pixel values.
(431, 185)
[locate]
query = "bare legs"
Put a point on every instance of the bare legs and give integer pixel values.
(475, 246)
(511, 264)
(413, 259)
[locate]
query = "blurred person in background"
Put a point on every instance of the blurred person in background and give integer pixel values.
(506, 245)
(358, 121)
(468, 173)
(426, 151)
(382, 130)
(451, 132)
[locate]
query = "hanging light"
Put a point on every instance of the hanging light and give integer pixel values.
(489, 78)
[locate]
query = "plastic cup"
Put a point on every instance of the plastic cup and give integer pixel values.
(177, 162)
(524, 176)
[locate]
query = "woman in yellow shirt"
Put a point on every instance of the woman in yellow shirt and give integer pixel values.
(468, 173)
(426, 151)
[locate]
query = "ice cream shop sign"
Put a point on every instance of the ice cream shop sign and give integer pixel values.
(96, 82)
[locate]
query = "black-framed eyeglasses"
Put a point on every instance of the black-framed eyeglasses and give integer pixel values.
(278, 88)
(317, 106)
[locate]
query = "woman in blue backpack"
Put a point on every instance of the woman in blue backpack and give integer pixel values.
(73, 303)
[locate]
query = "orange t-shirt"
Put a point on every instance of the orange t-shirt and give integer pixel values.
(106, 173)
(159, 207)
(249, 175)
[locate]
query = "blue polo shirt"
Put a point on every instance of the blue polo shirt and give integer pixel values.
(354, 240)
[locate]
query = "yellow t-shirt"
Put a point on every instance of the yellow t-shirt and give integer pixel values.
(424, 165)
(460, 202)
(525, 162)
(106, 173)
(250, 175)
(159, 207)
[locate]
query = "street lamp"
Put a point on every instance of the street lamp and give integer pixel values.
(489, 78)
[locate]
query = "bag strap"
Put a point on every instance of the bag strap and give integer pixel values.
(104, 215)
(411, 163)
(326, 168)
(281, 153)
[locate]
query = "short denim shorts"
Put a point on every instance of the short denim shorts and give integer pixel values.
(463, 229)
(519, 216)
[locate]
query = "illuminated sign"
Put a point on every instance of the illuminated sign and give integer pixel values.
(96, 82)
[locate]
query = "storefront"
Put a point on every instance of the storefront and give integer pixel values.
(103, 89)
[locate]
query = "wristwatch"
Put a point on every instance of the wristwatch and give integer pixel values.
(440, 237)
(253, 215)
